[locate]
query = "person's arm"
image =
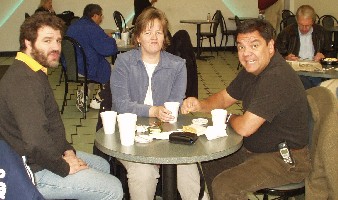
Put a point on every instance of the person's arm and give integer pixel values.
(285, 44)
(176, 92)
(27, 102)
(121, 88)
(102, 43)
(221, 99)
(246, 124)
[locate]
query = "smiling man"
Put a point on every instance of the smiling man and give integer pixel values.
(275, 111)
(31, 124)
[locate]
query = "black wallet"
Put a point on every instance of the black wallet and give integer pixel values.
(183, 138)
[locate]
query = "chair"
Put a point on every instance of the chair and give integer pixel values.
(327, 21)
(70, 50)
(291, 19)
(181, 46)
(225, 32)
(73, 20)
(323, 106)
(119, 21)
(286, 13)
(322, 180)
(26, 15)
(213, 30)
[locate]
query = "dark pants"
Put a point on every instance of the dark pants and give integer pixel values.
(15, 183)
(310, 82)
(234, 176)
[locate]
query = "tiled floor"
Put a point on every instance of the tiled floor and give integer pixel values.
(214, 75)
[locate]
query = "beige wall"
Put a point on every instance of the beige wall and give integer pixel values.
(174, 9)
(322, 7)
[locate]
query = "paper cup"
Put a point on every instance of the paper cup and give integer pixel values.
(108, 121)
(127, 128)
(173, 108)
(218, 117)
(125, 37)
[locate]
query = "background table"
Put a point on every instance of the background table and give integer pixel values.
(169, 154)
(331, 73)
(198, 33)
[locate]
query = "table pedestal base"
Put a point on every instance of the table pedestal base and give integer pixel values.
(169, 182)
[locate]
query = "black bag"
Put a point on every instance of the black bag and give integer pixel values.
(183, 138)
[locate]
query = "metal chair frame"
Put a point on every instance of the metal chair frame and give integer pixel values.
(69, 62)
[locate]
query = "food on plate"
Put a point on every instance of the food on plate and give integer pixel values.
(154, 129)
(189, 129)
(330, 59)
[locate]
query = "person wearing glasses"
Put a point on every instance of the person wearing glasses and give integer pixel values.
(97, 46)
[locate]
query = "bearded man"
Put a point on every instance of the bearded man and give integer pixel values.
(31, 124)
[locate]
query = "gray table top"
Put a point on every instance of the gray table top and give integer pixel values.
(197, 21)
(164, 152)
(331, 73)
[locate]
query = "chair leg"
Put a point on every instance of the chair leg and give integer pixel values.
(85, 92)
(220, 45)
(215, 45)
(60, 78)
(64, 98)
(210, 45)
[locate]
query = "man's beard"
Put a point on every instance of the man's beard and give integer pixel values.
(40, 57)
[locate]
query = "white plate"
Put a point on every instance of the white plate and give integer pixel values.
(200, 121)
(143, 139)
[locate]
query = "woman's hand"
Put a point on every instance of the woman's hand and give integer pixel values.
(161, 113)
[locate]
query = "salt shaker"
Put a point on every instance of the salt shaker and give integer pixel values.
(208, 17)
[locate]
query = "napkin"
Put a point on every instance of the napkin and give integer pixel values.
(214, 132)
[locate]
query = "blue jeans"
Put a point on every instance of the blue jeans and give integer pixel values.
(92, 183)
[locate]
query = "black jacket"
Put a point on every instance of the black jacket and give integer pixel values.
(288, 40)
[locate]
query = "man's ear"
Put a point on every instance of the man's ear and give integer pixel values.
(271, 46)
(28, 44)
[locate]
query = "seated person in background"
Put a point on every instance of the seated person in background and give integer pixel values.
(141, 82)
(97, 46)
(304, 40)
(46, 6)
(275, 111)
(139, 6)
(31, 124)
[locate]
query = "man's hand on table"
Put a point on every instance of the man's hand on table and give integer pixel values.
(291, 57)
(191, 104)
(318, 57)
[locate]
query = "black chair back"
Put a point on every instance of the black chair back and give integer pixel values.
(217, 17)
(119, 21)
(327, 21)
(71, 50)
(286, 14)
(291, 19)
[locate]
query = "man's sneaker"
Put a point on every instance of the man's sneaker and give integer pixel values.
(95, 103)
(80, 101)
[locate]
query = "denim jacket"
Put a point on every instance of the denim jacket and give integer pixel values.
(288, 40)
(129, 82)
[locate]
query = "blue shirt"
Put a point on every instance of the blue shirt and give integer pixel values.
(129, 82)
(97, 46)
